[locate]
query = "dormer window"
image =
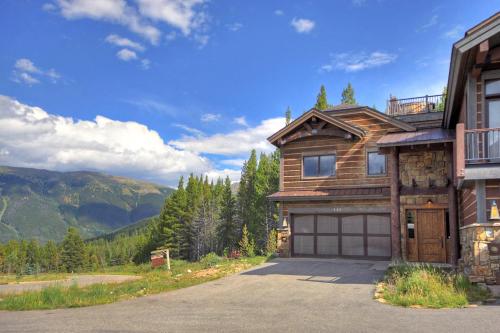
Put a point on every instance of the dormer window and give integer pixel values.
(319, 165)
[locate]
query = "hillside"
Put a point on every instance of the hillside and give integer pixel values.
(42, 204)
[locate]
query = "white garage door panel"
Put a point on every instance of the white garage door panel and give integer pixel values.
(303, 244)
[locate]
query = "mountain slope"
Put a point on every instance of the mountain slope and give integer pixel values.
(42, 204)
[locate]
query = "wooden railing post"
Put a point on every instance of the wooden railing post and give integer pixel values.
(460, 151)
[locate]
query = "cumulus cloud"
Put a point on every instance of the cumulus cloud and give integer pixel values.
(26, 72)
(244, 140)
(354, 62)
(124, 42)
(32, 137)
(140, 16)
(181, 14)
(302, 26)
(241, 121)
(126, 55)
(208, 117)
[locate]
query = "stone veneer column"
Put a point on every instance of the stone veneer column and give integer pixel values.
(395, 224)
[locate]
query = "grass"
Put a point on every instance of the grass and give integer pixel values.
(183, 274)
(428, 287)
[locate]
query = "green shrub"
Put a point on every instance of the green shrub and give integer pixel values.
(210, 260)
(428, 286)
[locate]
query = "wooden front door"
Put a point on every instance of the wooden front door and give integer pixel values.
(431, 235)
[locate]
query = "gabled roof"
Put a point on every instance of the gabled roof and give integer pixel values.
(343, 109)
(319, 115)
(460, 55)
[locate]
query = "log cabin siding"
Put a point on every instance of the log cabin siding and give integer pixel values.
(467, 206)
(351, 168)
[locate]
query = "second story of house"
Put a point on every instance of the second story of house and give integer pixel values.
(473, 103)
(335, 149)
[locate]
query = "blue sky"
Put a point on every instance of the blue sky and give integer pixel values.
(156, 89)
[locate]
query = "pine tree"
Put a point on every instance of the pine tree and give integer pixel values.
(50, 257)
(247, 246)
(321, 100)
(247, 195)
(73, 251)
(227, 228)
(288, 116)
(348, 95)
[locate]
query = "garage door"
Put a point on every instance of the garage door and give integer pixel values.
(328, 235)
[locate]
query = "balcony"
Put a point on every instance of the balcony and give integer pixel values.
(415, 105)
(482, 145)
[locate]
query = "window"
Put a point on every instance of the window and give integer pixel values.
(319, 166)
(492, 100)
(410, 224)
(376, 164)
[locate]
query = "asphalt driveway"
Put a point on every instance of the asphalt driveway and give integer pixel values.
(286, 295)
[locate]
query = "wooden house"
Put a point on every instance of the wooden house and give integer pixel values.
(415, 183)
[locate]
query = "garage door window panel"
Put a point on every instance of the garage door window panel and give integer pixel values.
(303, 244)
(327, 224)
(304, 224)
(352, 224)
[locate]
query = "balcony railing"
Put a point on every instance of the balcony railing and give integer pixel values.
(414, 105)
(482, 145)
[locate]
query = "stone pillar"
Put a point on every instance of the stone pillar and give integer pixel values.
(452, 208)
(395, 204)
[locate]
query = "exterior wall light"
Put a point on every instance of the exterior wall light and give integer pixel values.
(494, 211)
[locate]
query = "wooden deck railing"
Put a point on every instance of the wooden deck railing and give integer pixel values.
(482, 145)
(414, 105)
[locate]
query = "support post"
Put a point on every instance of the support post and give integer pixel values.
(395, 203)
(452, 207)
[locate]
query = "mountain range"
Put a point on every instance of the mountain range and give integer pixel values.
(42, 204)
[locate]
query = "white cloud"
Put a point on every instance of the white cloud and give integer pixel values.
(145, 64)
(234, 175)
(302, 26)
(26, 65)
(432, 22)
(234, 26)
(31, 137)
(116, 11)
(241, 121)
(208, 117)
(153, 106)
(49, 7)
(279, 12)
(126, 55)
(354, 62)
(237, 162)
(454, 33)
(24, 78)
(191, 130)
(358, 2)
(244, 140)
(124, 42)
(26, 72)
(181, 14)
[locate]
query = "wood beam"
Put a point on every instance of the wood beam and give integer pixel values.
(481, 56)
(395, 203)
(452, 209)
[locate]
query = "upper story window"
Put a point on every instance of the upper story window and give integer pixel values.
(319, 166)
(492, 101)
(377, 164)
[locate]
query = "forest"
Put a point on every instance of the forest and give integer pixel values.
(199, 218)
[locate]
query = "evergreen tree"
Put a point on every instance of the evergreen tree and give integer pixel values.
(227, 229)
(247, 195)
(50, 257)
(348, 95)
(247, 246)
(73, 251)
(321, 100)
(33, 257)
(288, 116)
